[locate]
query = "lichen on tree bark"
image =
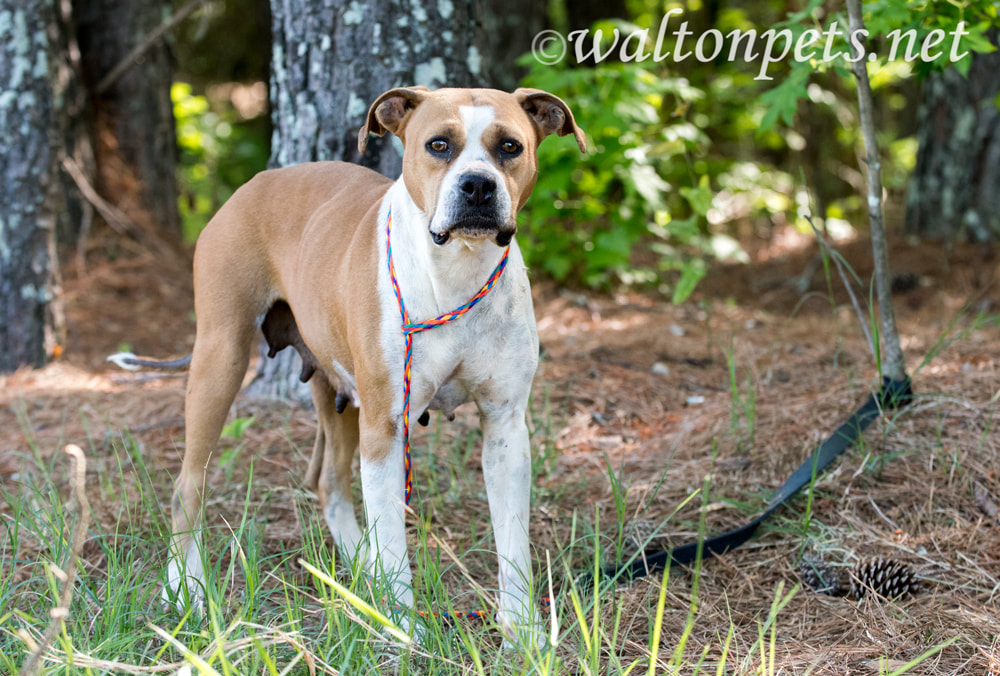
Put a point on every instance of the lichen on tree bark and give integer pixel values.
(26, 179)
(955, 189)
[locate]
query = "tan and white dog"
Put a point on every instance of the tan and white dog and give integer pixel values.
(300, 252)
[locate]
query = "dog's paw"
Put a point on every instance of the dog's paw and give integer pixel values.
(394, 654)
(176, 599)
(524, 638)
(184, 588)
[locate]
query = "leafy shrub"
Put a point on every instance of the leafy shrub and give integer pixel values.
(590, 213)
(219, 152)
(685, 155)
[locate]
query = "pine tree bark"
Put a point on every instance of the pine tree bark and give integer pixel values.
(27, 170)
(955, 189)
(132, 121)
(330, 60)
(507, 36)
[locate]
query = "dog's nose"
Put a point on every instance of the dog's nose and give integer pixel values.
(477, 189)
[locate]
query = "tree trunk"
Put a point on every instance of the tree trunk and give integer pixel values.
(77, 213)
(27, 169)
(507, 36)
(132, 121)
(955, 189)
(330, 60)
(892, 363)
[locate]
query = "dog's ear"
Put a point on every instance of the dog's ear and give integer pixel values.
(389, 112)
(550, 114)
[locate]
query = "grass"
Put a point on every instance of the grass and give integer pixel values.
(301, 612)
(743, 405)
(265, 613)
(613, 443)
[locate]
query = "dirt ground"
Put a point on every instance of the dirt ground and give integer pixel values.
(647, 385)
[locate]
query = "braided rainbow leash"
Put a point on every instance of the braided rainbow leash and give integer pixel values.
(409, 328)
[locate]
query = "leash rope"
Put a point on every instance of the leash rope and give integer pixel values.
(894, 395)
(409, 328)
(543, 601)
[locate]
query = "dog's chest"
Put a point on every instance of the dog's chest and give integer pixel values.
(484, 354)
(487, 355)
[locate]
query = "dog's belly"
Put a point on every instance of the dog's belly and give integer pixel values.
(448, 397)
(281, 330)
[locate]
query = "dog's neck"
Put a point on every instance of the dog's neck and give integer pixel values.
(435, 278)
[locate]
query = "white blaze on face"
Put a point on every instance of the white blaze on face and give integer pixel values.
(476, 120)
(475, 158)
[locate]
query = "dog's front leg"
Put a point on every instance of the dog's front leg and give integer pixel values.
(383, 484)
(507, 472)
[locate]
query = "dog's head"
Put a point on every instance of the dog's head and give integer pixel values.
(469, 159)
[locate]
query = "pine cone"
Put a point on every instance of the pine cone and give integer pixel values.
(821, 577)
(641, 535)
(886, 577)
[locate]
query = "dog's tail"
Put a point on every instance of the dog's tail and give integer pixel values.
(130, 362)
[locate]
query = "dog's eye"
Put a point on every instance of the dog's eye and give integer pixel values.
(437, 146)
(510, 147)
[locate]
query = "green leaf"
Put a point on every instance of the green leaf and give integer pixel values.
(977, 40)
(237, 427)
(557, 266)
(690, 276)
(649, 185)
(615, 240)
(782, 102)
(684, 229)
(699, 198)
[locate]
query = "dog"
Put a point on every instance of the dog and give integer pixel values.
(302, 253)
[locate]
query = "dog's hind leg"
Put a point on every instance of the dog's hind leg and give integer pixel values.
(219, 362)
(330, 468)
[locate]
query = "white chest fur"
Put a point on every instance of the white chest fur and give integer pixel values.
(488, 354)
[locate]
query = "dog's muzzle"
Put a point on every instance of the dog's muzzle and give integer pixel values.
(475, 213)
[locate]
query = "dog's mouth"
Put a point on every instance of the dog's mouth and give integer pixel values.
(477, 228)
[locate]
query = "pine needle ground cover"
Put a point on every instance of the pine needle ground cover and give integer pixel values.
(684, 417)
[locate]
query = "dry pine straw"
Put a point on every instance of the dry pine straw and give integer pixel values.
(923, 505)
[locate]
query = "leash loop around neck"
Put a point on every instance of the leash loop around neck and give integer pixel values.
(409, 328)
